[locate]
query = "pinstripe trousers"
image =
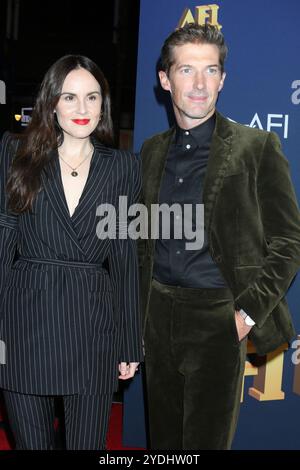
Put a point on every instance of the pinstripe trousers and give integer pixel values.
(32, 417)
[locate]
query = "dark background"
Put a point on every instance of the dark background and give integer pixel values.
(34, 34)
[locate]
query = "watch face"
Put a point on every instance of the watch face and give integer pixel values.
(249, 321)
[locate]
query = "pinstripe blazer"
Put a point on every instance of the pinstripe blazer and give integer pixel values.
(65, 320)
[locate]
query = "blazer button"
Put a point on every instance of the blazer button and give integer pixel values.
(218, 259)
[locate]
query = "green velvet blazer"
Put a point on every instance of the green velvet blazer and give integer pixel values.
(252, 221)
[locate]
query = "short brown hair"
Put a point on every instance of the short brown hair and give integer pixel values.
(192, 33)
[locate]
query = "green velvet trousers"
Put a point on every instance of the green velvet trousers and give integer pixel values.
(194, 368)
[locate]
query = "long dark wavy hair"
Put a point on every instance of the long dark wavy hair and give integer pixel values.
(43, 133)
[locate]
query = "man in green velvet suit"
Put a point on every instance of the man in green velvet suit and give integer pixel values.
(201, 305)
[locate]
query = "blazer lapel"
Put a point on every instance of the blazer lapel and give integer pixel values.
(219, 158)
(153, 170)
(99, 174)
(52, 184)
(154, 166)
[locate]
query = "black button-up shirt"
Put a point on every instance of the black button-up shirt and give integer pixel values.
(182, 183)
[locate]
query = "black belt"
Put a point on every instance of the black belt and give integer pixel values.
(59, 262)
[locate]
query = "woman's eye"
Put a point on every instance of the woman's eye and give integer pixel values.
(69, 98)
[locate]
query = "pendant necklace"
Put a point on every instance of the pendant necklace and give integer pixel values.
(74, 172)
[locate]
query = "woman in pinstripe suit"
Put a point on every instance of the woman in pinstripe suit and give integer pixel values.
(69, 317)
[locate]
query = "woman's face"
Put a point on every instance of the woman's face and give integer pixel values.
(78, 110)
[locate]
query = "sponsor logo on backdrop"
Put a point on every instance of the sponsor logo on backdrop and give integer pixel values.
(295, 96)
(203, 14)
(296, 354)
(296, 362)
(269, 122)
(2, 92)
(267, 373)
(24, 117)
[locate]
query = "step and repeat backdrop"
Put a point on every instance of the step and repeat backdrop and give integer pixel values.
(262, 90)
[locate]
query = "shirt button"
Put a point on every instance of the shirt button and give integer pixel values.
(178, 252)
(180, 180)
(177, 217)
(188, 146)
(187, 133)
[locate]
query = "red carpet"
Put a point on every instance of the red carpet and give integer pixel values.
(4, 444)
(114, 439)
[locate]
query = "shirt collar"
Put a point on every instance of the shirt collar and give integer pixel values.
(200, 134)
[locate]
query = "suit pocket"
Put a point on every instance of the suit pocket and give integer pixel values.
(27, 279)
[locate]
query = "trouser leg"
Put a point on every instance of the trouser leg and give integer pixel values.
(212, 402)
(194, 365)
(165, 385)
(31, 419)
(86, 421)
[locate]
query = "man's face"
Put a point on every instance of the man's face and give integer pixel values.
(194, 82)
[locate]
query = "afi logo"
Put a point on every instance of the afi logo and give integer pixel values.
(270, 122)
(203, 14)
(273, 120)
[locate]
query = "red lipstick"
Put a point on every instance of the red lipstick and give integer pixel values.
(81, 122)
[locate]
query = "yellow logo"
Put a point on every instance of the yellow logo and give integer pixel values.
(267, 371)
(203, 14)
(18, 117)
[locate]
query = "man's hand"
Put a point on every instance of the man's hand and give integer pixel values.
(127, 370)
(242, 328)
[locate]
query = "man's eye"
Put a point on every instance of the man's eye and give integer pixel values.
(186, 70)
(212, 70)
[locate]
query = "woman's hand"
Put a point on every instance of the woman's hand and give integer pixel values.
(127, 370)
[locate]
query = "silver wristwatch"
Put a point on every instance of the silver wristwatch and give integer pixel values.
(248, 320)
